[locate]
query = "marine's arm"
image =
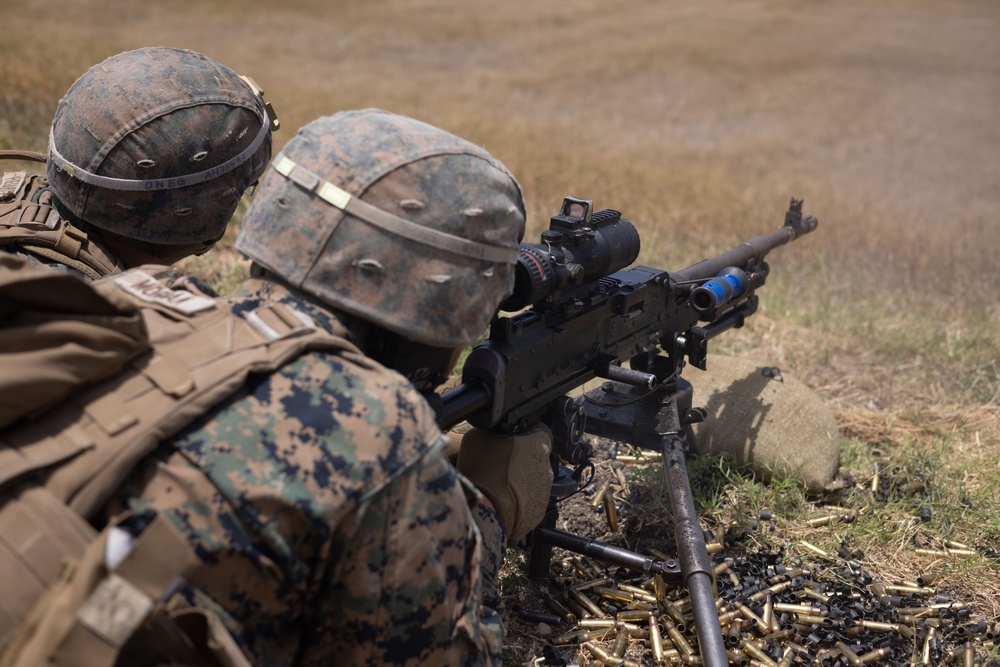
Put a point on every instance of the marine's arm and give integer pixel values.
(411, 579)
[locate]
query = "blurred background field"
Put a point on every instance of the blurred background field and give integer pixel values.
(698, 120)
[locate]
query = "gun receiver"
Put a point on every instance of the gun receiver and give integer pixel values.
(589, 315)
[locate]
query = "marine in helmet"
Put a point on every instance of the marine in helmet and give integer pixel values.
(328, 523)
(149, 154)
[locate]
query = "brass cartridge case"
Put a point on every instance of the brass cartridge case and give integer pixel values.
(610, 510)
(677, 639)
(754, 651)
(598, 498)
(587, 603)
(851, 656)
(621, 640)
(655, 641)
(613, 593)
(872, 656)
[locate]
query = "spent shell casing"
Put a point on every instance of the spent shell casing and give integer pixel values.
(601, 634)
(925, 654)
(578, 610)
(642, 457)
(968, 655)
(789, 574)
(607, 658)
(872, 656)
(673, 611)
(786, 657)
(677, 639)
(774, 589)
(655, 640)
(659, 586)
(916, 590)
(748, 613)
(598, 498)
(948, 605)
(822, 520)
(815, 549)
(767, 616)
(786, 633)
(851, 656)
(571, 637)
(635, 614)
(730, 616)
(737, 658)
(752, 649)
(611, 510)
(613, 593)
(931, 552)
(588, 604)
(638, 593)
(733, 632)
(918, 611)
(597, 567)
(788, 607)
(559, 609)
(810, 619)
(587, 585)
(621, 640)
(812, 593)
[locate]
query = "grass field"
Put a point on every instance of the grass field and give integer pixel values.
(698, 120)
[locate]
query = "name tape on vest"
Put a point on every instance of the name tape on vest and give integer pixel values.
(10, 183)
(143, 286)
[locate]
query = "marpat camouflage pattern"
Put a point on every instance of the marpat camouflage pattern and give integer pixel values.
(413, 171)
(329, 526)
(158, 115)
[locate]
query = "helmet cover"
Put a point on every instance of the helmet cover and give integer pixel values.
(437, 292)
(158, 145)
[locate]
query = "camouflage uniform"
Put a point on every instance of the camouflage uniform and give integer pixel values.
(329, 525)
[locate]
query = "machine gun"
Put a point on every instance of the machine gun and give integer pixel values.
(582, 315)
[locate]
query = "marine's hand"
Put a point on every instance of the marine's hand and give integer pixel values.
(513, 472)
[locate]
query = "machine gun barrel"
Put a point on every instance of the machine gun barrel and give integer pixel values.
(753, 250)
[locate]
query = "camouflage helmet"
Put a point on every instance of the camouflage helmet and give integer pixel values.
(392, 220)
(158, 145)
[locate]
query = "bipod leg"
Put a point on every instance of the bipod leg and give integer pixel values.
(693, 554)
(652, 421)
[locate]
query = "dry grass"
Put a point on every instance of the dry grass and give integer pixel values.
(698, 120)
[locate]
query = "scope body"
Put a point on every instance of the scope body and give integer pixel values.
(579, 247)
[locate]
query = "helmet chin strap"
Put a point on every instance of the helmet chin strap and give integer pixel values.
(425, 366)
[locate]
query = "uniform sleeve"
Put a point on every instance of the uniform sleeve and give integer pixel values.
(405, 582)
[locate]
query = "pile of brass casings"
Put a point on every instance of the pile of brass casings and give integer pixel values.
(831, 614)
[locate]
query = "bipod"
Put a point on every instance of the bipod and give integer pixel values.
(651, 419)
